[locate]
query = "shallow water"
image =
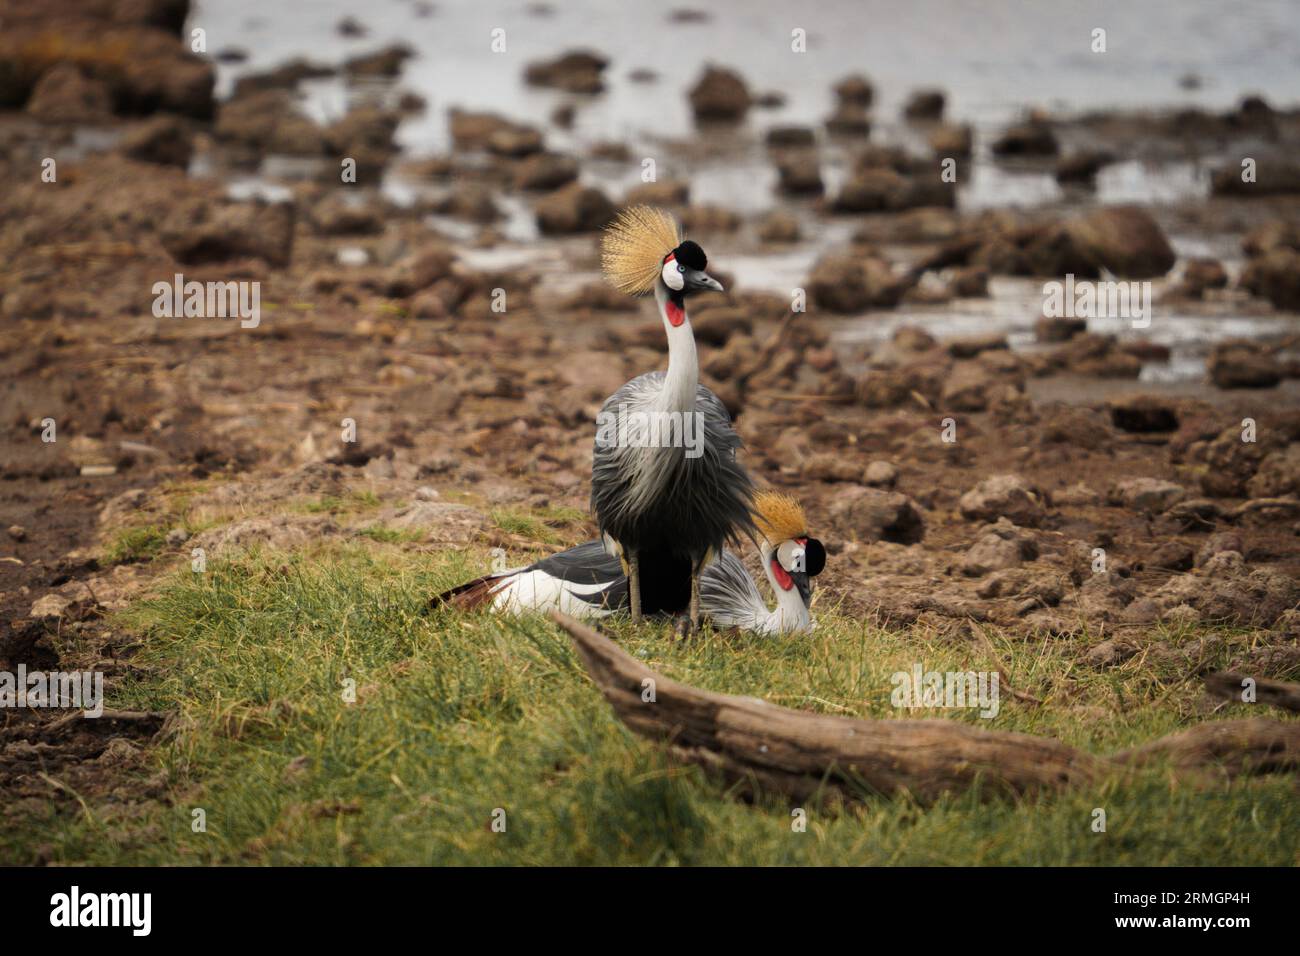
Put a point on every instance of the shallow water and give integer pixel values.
(994, 59)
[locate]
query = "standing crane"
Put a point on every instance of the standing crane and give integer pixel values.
(586, 581)
(664, 509)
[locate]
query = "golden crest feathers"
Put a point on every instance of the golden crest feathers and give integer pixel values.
(779, 517)
(633, 247)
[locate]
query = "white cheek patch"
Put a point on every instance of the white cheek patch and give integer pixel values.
(672, 278)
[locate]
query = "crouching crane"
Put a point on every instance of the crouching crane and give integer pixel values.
(586, 581)
(666, 488)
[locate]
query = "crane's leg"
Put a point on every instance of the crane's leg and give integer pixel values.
(634, 585)
(695, 599)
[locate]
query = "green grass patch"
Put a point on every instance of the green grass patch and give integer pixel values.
(138, 543)
(322, 718)
(552, 526)
(354, 501)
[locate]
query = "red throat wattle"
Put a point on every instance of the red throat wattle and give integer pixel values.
(782, 579)
(676, 314)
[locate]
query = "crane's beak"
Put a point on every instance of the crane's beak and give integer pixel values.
(698, 280)
(803, 584)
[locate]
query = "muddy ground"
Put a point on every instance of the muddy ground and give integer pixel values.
(1044, 489)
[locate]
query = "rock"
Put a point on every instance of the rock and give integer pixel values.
(1217, 544)
(50, 605)
(219, 232)
(849, 119)
(440, 521)
(64, 94)
(1026, 139)
(345, 215)
(880, 474)
(1270, 237)
(574, 208)
(664, 192)
(1124, 239)
(17, 532)
(278, 532)
(514, 142)
(1149, 495)
(1109, 653)
(284, 77)
(386, 62)
(971, 282)
(969, 387)
(545, 171)
(145, 69)
(1171, 556)
(715, 325)
(1273, 177)
(831, 467)
(419, 270)
(1143, 414)
(1200, 274)
(1049, 329)
(1224, 591)
(578, 71)
(1083, 166)
(1278, 474)
(872, 190)
(1229, 464)
(1077, 495)
(790, 136)
(846, 284)
(163, 140)
(854, 88)
(952, 140)
(1275, 276)
(719, 94)
(799, 174)
(1097, 356)
(879, 189)
(1003, 546)
(969, 346)
(1009, 496)
(872, 514)
(924, 105)
(779, 227)
(268, 121)
(350, 27)
(708, 218)
(910, 338)
(1242, 364)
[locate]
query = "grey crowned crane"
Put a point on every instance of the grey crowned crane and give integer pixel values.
(586, 581)
(666, 488)
(791, 559)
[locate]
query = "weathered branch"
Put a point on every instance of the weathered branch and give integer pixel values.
(802, 754)
(1276, 692)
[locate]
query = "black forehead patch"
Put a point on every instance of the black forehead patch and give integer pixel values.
(691, 255)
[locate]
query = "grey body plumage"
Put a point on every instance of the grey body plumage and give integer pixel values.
(659, 499)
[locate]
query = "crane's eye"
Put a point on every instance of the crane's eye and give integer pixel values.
(674, 276)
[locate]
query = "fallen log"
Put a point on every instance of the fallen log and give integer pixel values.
(762, 745)
(1279, 693)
